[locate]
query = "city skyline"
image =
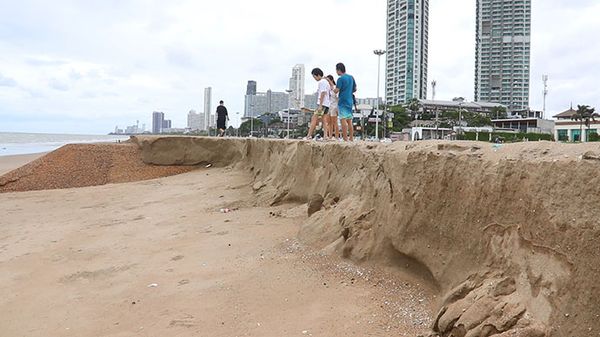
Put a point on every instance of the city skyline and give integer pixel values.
(54, 78)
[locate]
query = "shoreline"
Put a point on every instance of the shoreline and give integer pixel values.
(12, 162)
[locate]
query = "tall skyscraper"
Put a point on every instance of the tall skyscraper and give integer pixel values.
(158, 119)
(502, 55)
(297, 87)
(407, 50)
(251, 88)
(207, 107)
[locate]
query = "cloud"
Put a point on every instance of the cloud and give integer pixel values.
(58, 85)
(128, 58)
(7, 82)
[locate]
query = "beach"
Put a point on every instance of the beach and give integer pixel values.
(159, 258)
(9, 163)
(197, 236)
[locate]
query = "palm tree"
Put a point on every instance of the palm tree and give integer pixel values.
(584, 114)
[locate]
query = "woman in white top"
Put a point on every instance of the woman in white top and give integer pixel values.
(334, 129)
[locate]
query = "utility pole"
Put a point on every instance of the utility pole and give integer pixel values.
(545, 79)
(433, 85)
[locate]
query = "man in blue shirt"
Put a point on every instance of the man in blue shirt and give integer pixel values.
(345, 88)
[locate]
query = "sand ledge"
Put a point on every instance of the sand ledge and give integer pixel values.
(507, 233)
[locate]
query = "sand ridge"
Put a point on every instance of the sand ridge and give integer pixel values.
(80, 165)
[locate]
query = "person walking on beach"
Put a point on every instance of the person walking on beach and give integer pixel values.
(322, 102)
(334, 129)
(345, 88)
(222, 118)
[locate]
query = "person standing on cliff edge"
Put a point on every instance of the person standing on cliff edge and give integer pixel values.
(345, 88)
(222, 118)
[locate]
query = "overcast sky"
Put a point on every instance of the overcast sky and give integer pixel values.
(86, 66)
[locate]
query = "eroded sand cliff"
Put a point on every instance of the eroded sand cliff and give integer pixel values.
(507, 235)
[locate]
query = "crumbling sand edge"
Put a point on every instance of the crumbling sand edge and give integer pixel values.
(508, 234)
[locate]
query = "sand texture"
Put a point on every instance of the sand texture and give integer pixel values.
(158, 258)
(508, 235)
(9, 163)
(478, 239)
(80, 165)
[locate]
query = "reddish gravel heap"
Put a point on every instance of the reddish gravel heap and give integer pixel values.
(80, 165)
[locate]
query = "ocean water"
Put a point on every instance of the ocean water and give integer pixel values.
(12, 143)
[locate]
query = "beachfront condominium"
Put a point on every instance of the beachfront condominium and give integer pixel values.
(297, 87)
(502, 55)
(207, 107)
(407, 50)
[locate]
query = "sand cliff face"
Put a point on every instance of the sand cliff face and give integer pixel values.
(509, 235)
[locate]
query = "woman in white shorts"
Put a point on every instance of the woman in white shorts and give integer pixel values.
(334, 129)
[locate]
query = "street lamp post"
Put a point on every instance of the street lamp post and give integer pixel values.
(251, 120)
(289, 91)
(460, 104)
(379, 53)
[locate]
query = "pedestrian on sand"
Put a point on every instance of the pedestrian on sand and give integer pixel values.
(222, 118)
(345, 88)
(322, 102)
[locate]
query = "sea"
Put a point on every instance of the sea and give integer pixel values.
(14, 143)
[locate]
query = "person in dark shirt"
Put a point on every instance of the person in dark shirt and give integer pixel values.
(222, 118)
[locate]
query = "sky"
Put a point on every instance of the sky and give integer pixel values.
(71, 66)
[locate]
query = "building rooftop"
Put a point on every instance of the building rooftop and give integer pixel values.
(566, 114)
(458, 104)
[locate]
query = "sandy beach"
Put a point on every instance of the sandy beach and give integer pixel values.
(196, 236)
(9, 163)
(158, 258)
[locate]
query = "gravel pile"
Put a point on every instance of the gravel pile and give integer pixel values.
(80, 165)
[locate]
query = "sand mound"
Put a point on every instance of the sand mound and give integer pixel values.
(508, 235)
(81, 165)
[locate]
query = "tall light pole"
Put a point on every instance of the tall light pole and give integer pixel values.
(379, 53)
(460, 104)
(251, 119)
(437, 123)
(289, 91)
(545, 79)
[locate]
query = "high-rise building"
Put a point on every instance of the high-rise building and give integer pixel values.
(158, 119)
(310, 101)
(207, 107)
(195, 121)
(265, 102)
(167, 124)
(297, 87)
(407, 50)
(502, 54)
(251, 88)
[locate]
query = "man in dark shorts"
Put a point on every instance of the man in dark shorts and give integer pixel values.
(222, 118)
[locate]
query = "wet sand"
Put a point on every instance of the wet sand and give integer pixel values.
(9, 163)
